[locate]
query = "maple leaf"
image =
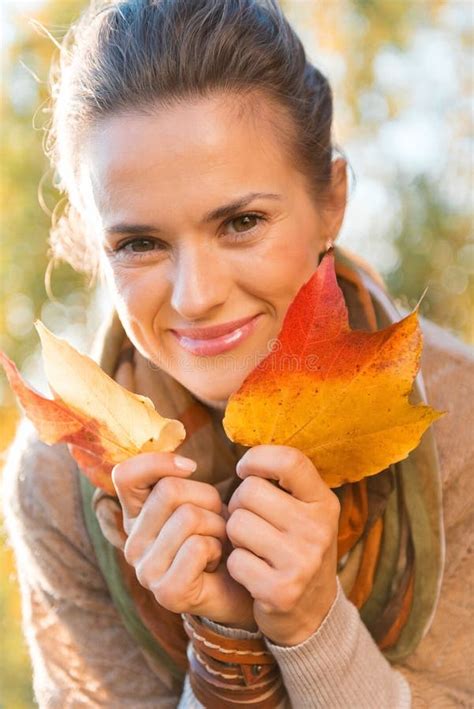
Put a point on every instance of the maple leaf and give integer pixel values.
(338, 395)
(102, 422)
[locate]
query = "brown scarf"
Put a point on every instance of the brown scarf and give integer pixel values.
(390, 540)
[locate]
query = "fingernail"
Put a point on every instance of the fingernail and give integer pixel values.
(185, 463)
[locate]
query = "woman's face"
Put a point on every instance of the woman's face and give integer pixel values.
(202, 222)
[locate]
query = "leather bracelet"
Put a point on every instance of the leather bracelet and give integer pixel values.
(231, 672)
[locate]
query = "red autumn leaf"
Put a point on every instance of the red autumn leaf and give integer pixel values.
(339, 395)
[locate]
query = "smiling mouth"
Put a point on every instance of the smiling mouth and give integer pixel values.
(213, 331)
(203, 343)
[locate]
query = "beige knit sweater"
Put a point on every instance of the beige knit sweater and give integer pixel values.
(82, 655)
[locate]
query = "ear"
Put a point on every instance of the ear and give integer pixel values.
(335, 201)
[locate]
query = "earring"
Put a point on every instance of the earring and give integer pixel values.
(329, 245)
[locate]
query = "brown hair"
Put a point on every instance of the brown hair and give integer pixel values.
(136, 55)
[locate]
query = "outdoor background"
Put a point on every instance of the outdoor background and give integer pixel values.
(402, 76)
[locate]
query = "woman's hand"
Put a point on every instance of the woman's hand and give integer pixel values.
(176, 533)
(286, 542)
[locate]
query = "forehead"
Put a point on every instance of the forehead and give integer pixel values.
(183, 152)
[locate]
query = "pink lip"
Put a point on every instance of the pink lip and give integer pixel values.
(206, 333)
(217, 339)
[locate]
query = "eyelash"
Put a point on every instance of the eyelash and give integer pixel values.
(120, 249)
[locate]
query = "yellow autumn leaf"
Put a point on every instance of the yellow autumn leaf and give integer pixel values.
(103, 422)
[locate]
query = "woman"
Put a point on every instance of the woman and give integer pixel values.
(193, 139)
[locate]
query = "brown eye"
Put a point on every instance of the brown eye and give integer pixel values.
(249, 224)
(139, 248)
(247, 220)
(141, 244)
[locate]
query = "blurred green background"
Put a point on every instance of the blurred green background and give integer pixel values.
(402, 77)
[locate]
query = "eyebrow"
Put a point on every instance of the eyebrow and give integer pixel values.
(221, 212)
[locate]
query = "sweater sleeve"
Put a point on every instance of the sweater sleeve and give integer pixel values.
(340, 665)
(81, 653)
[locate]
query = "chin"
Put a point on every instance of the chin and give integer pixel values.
(220, 405)
(211, 392)
(217, 398)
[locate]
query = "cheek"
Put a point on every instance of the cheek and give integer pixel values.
(138, 293)
(281, 266)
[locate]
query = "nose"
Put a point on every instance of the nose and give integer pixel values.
(201, 282)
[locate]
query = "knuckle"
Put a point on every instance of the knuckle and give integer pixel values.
(303, 564)
(321, 538)
(167, 596)
(303, 570)
(215, 499)
(164, 594)
(188, 516)
(128, 523)
(131, 551)
(197, 545)
(214, 546)
(290, 457)
(326, 538)
(334, 506)
(320, 535)
(251, 488)
(168, 489)
(322, 531)
(141, 573)
(120, 476)
(232, 528)
(236, 521)
(233, 561)
(287, 596)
